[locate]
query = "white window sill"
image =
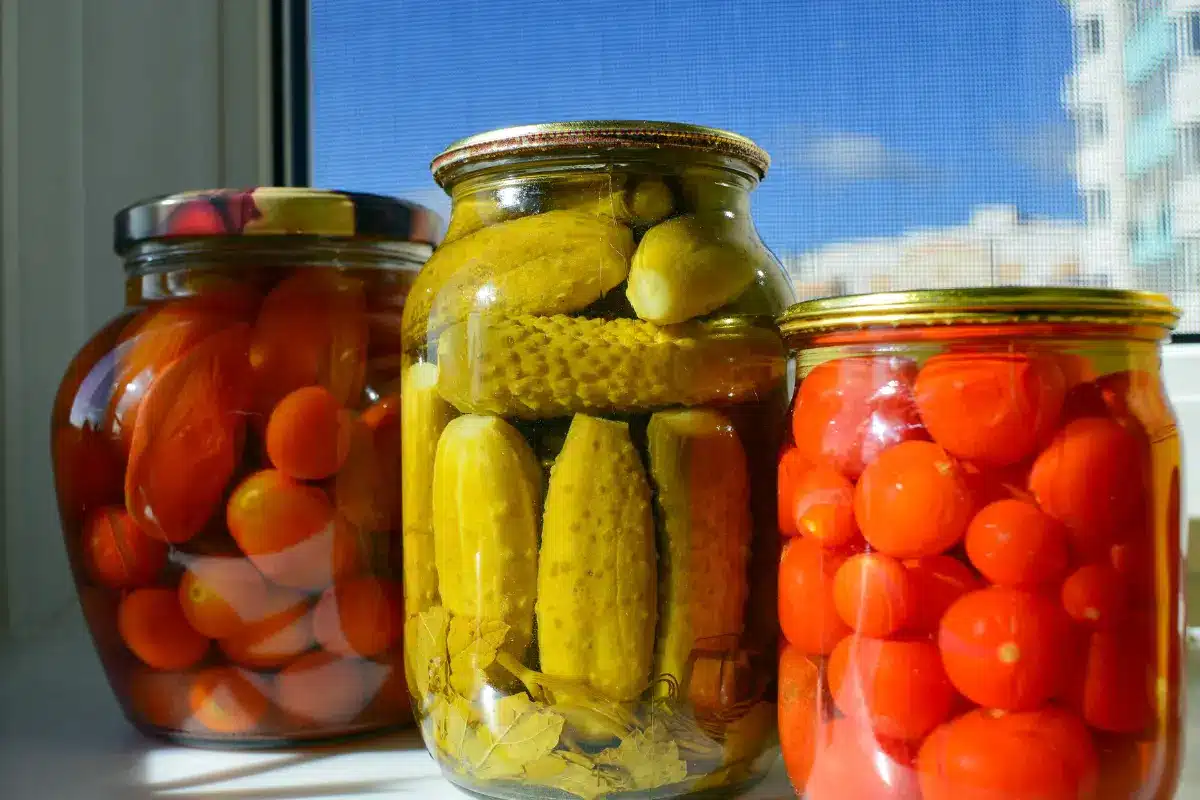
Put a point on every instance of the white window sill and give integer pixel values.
(63, 737)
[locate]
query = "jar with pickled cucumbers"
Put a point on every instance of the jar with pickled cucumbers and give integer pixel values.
(593, 399)
(980, 587)
(227, 464)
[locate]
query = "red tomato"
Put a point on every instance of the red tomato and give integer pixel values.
(117, 553)
(807, 614)
(937, 581)
(853, 762)
(1137, 395)
(800, 713)
(229, 700)
(990, 408)
(1013, 543)
(1091, 477)
(791, 467)
(1096, 595)
(186, 441)
(820, 504)
(899, 686)
(1119, 685)
(849, 410)
(308, 434)
(996, 755)
(913, 501)
(359, 617)
(1005, 648)
(873, 594)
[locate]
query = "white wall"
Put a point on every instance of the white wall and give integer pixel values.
(101, 103)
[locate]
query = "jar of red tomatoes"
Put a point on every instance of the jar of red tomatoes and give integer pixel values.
(980, 593)
(227, 459)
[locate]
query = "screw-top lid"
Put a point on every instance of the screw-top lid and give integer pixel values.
(595, 135)
(979, 306)
(274, 211)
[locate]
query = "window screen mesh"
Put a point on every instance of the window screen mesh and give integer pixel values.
(915, 144)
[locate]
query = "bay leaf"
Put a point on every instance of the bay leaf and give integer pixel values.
(472, 647)
(425, 642)
(569, 772)
(516, 732)
(650, 757)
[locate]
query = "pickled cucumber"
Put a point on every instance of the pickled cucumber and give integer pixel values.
(689, 266)
(423, 417)
(596, 603)
(640, 204)
(698, 466)
(535, 367)
(486, 505)
(547, 263)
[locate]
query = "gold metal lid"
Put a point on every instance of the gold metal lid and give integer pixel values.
(551, 137)
(980, 306)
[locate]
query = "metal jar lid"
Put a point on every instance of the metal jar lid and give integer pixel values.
(979, 306)
(595, 135)
(274, 211)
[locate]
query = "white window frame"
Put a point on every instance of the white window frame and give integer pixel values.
(1097, 205)
(1187, 155)
(101, 104)
(1091, 120)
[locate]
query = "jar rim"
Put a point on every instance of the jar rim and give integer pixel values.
(266, 211)
(997, 305)
(591, 135)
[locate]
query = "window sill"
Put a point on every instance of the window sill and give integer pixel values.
(62, 736)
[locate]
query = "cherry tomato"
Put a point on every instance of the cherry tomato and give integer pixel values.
(807, 614)
(1133, 559)
(1004, 648)
(900, 686)
(913, 501)
(820, 504)
(321, 688)
(849, 410)
(187, 439)
(290, 531)
(997, 755)
(308, 434)
(221, 595)
(1091, 477)
(990, 408)
(360, 617)
(1096, 595)
(800, 713)
(311, 330)
(366, 490)
(792, 467)
(873, 594)
(1118, 689)
(937, 581)
(88, 472)
(154, 629)
(117, 553)
(158, 336)
(159, 698)
(228, 700)
(1013, 543)
(1137, 395)
(854, 762)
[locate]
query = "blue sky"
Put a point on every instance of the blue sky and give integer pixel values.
(881, 115)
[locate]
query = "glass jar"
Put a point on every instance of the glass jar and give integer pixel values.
(980, 591)
(593, 401)
(226, 455)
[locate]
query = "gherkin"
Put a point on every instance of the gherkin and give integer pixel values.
(536, 367)
(596, 607)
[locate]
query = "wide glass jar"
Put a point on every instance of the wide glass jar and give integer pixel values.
(592, 404)
(980, 591)
(227, 461)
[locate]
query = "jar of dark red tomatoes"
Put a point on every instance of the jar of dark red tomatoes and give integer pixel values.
(227, 460)
(980, 593)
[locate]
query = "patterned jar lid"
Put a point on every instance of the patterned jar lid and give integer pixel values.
(274, 211)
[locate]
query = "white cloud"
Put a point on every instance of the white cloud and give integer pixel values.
(848, 156)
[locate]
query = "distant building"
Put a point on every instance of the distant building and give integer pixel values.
(1135, 96)
(995, 248)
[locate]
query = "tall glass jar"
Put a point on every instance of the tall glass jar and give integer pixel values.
(226, 454)
(980, 593)
(593, 398)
